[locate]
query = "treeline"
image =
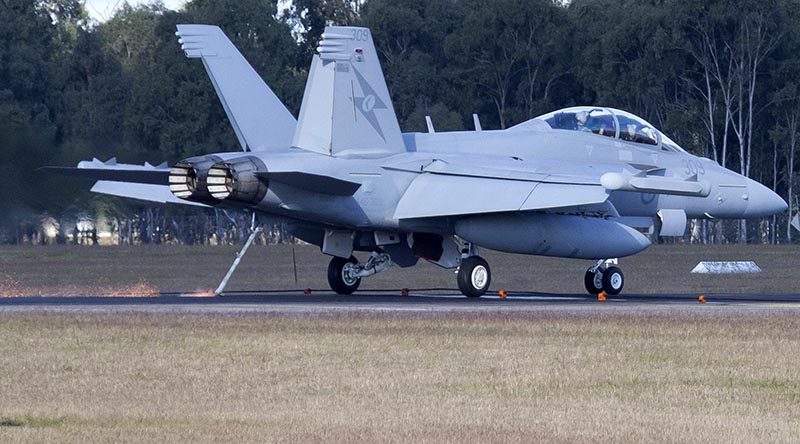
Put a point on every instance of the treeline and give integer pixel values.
(719, 77)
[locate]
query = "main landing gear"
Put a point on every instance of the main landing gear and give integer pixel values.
(603, 277)
(344, 275)
(474, 274)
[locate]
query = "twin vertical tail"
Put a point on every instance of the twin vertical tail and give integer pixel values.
(346, 108)
(259, 119)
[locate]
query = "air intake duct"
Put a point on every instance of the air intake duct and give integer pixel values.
(237, 180)
(187, 179)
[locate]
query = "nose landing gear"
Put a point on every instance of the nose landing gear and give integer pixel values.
(604, 277)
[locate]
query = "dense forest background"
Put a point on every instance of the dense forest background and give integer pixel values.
(720, 77)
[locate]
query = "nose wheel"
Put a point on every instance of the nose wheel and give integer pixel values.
(603, 278)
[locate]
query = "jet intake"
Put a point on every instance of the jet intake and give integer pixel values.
(237, 180)
(187, 179)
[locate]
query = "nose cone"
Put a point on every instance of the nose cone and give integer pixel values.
(761, 201)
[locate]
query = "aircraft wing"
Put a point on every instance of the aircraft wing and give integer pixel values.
(140, 191)
(445, 189)
(143, 182)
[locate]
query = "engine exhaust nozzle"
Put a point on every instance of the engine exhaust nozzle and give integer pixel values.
(237, 180)
(188, 179)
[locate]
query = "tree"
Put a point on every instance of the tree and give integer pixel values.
(311, 17)
(409, 37)
(501, 50)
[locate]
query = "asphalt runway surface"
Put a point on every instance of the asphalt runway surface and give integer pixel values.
(395, 303)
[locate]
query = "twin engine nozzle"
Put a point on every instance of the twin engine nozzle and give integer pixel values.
(211, 180)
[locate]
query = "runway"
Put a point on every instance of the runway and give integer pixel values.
(296, 303)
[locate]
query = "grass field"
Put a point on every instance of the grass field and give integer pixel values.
(555, 377)
(74, 270)
(517, 379)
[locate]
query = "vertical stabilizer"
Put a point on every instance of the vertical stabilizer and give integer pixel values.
(346, 107)
(259, 119)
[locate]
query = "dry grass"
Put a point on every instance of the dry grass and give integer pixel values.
(73, 270)
(531, 378)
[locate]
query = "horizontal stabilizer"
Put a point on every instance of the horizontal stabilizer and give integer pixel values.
(136, 176)
(313, 182)
(259, 119)
(141, 191)
(120, 172)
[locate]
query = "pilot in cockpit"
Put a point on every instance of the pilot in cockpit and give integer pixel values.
(597, 121)
(566, 120)
(582, 117)
(600, 123)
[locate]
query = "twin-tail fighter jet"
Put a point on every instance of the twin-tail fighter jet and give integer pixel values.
(582, 182)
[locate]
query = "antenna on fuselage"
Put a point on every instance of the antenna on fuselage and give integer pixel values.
(477, 122)
(429, 122)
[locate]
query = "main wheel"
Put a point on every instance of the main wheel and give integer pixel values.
(474, 277)
(593, 281)
(341, 275)
(613, 280)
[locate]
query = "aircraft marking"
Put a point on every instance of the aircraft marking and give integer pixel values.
(368, 103)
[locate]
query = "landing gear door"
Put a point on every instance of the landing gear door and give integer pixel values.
(673, 222)
(442, 251)
(338, 243)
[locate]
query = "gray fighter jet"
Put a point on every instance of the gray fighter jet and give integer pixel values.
(582, 182)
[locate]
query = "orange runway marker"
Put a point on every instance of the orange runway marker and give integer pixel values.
(601, 296)
(702, 299)
(502, 294)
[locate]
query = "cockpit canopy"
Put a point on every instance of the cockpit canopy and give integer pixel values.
(609, 122)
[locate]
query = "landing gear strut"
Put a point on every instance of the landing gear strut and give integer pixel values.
(603, 277)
